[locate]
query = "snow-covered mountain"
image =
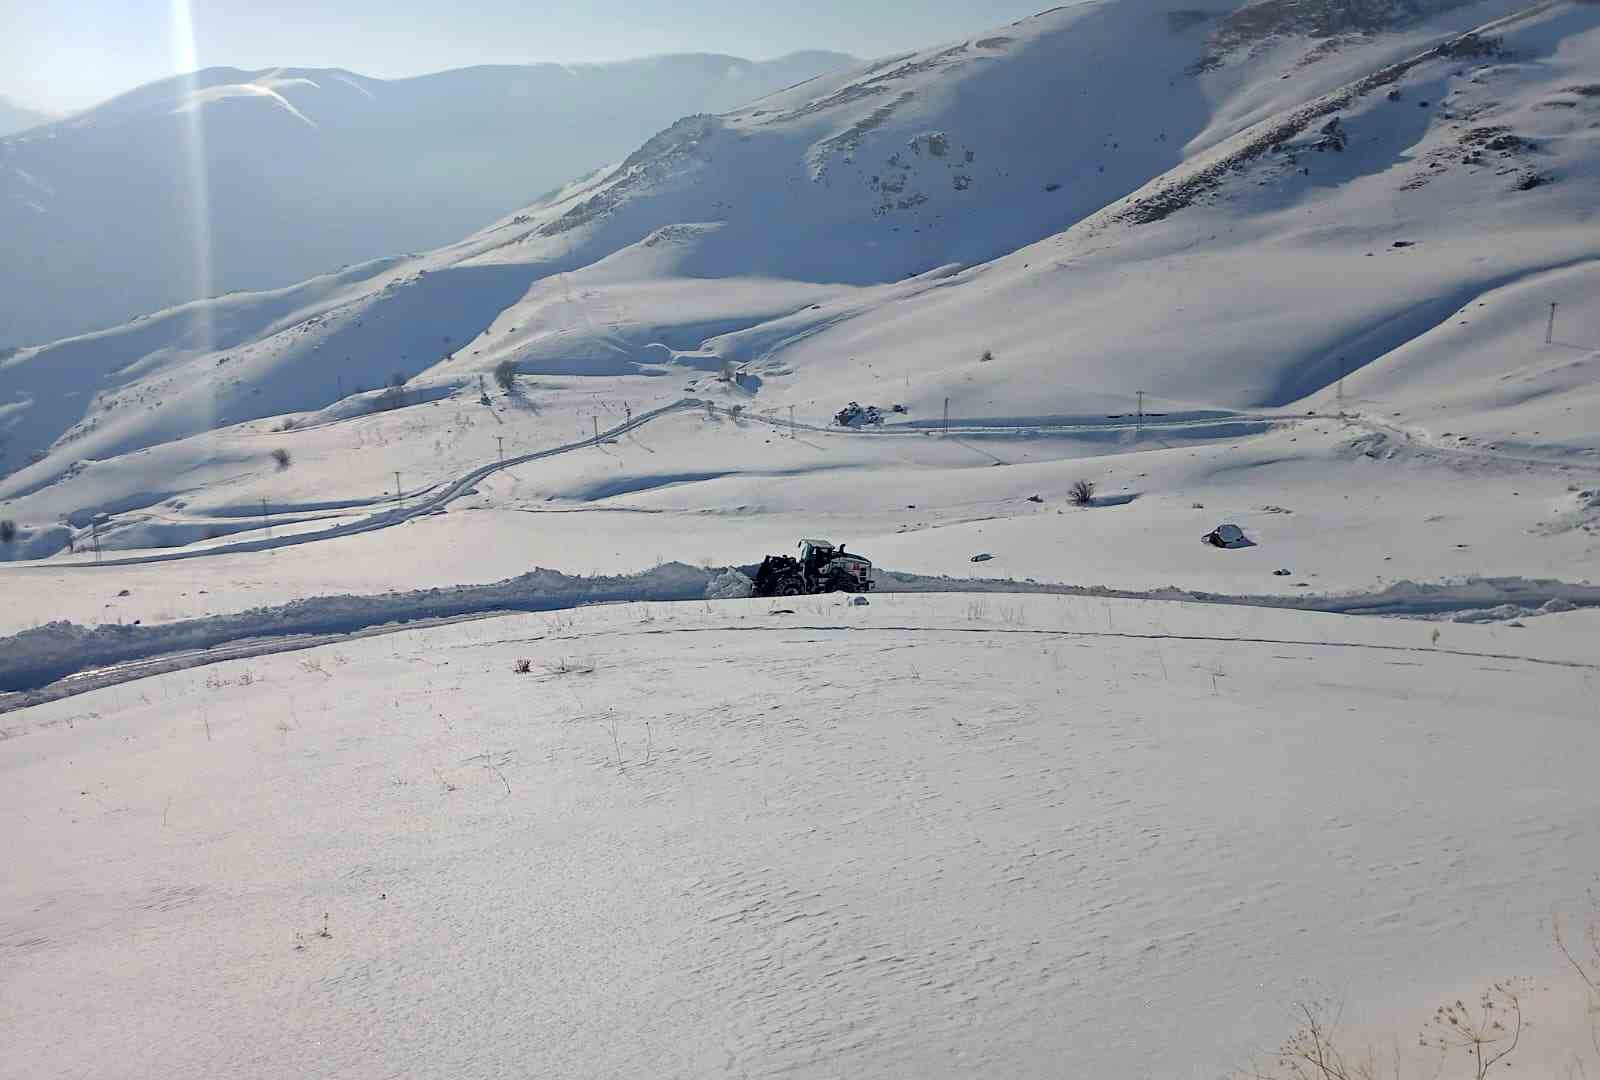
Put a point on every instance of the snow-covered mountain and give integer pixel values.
(1323, 269)
(1114, 203)
(228, 179)
(15, 117)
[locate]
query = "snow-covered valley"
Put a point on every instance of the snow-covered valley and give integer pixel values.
(1071, 793)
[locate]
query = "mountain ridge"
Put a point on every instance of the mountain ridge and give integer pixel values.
(278, 174)
(837, 241)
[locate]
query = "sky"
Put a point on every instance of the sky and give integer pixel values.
(61, 55)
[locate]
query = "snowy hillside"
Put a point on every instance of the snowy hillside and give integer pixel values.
(232, 179)
(1070, 792)
(1227, 226)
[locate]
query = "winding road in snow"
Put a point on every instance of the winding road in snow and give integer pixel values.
(436, 497)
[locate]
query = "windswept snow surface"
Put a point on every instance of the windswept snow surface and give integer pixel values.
(934, 836)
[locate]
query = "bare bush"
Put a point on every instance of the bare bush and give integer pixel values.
(8, 531)
(1314, 1052)
(524, 667)
(1486, 1034)
(1081, 493)
(281, 456)
(986, 357)
(505, 375)
(1587, 966)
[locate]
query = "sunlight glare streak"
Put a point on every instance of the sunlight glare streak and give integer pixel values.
(200, 335)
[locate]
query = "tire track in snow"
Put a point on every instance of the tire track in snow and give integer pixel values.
(436, 496)
(443, 495)
(83, 681)
(1123, 634)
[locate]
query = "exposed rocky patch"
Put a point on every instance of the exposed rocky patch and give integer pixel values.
(1169, 196)
(1483, 147)
(1324, 18)
(664, 152)
(934, 148)
(849, 139)
(1333, 136)
(873, 85)
(1338, 22)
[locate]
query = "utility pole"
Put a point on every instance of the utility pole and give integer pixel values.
(1550, 328)
(946, 418)
(1138, 423)
(596, 420)
(794, 432)
(94, 536)
(266, 522)
(501, 439)
(399, 496)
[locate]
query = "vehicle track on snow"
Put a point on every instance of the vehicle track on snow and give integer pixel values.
(1422, 440)
(435, 497)
(83, 682)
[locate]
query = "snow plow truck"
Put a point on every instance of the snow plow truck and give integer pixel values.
(821, 568)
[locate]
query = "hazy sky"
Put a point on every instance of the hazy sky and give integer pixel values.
(68, 54)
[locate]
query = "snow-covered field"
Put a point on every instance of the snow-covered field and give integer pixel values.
(933, 836)
(1345, 505)
(1324, 271)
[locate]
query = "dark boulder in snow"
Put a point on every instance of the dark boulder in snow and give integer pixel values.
(1227, 536)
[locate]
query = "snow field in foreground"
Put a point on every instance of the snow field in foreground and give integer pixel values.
(934, 836)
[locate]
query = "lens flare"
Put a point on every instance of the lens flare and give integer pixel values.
(199, 330)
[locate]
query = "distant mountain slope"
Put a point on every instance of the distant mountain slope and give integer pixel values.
(14, 117)
(1043, 220)
(301, 171)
